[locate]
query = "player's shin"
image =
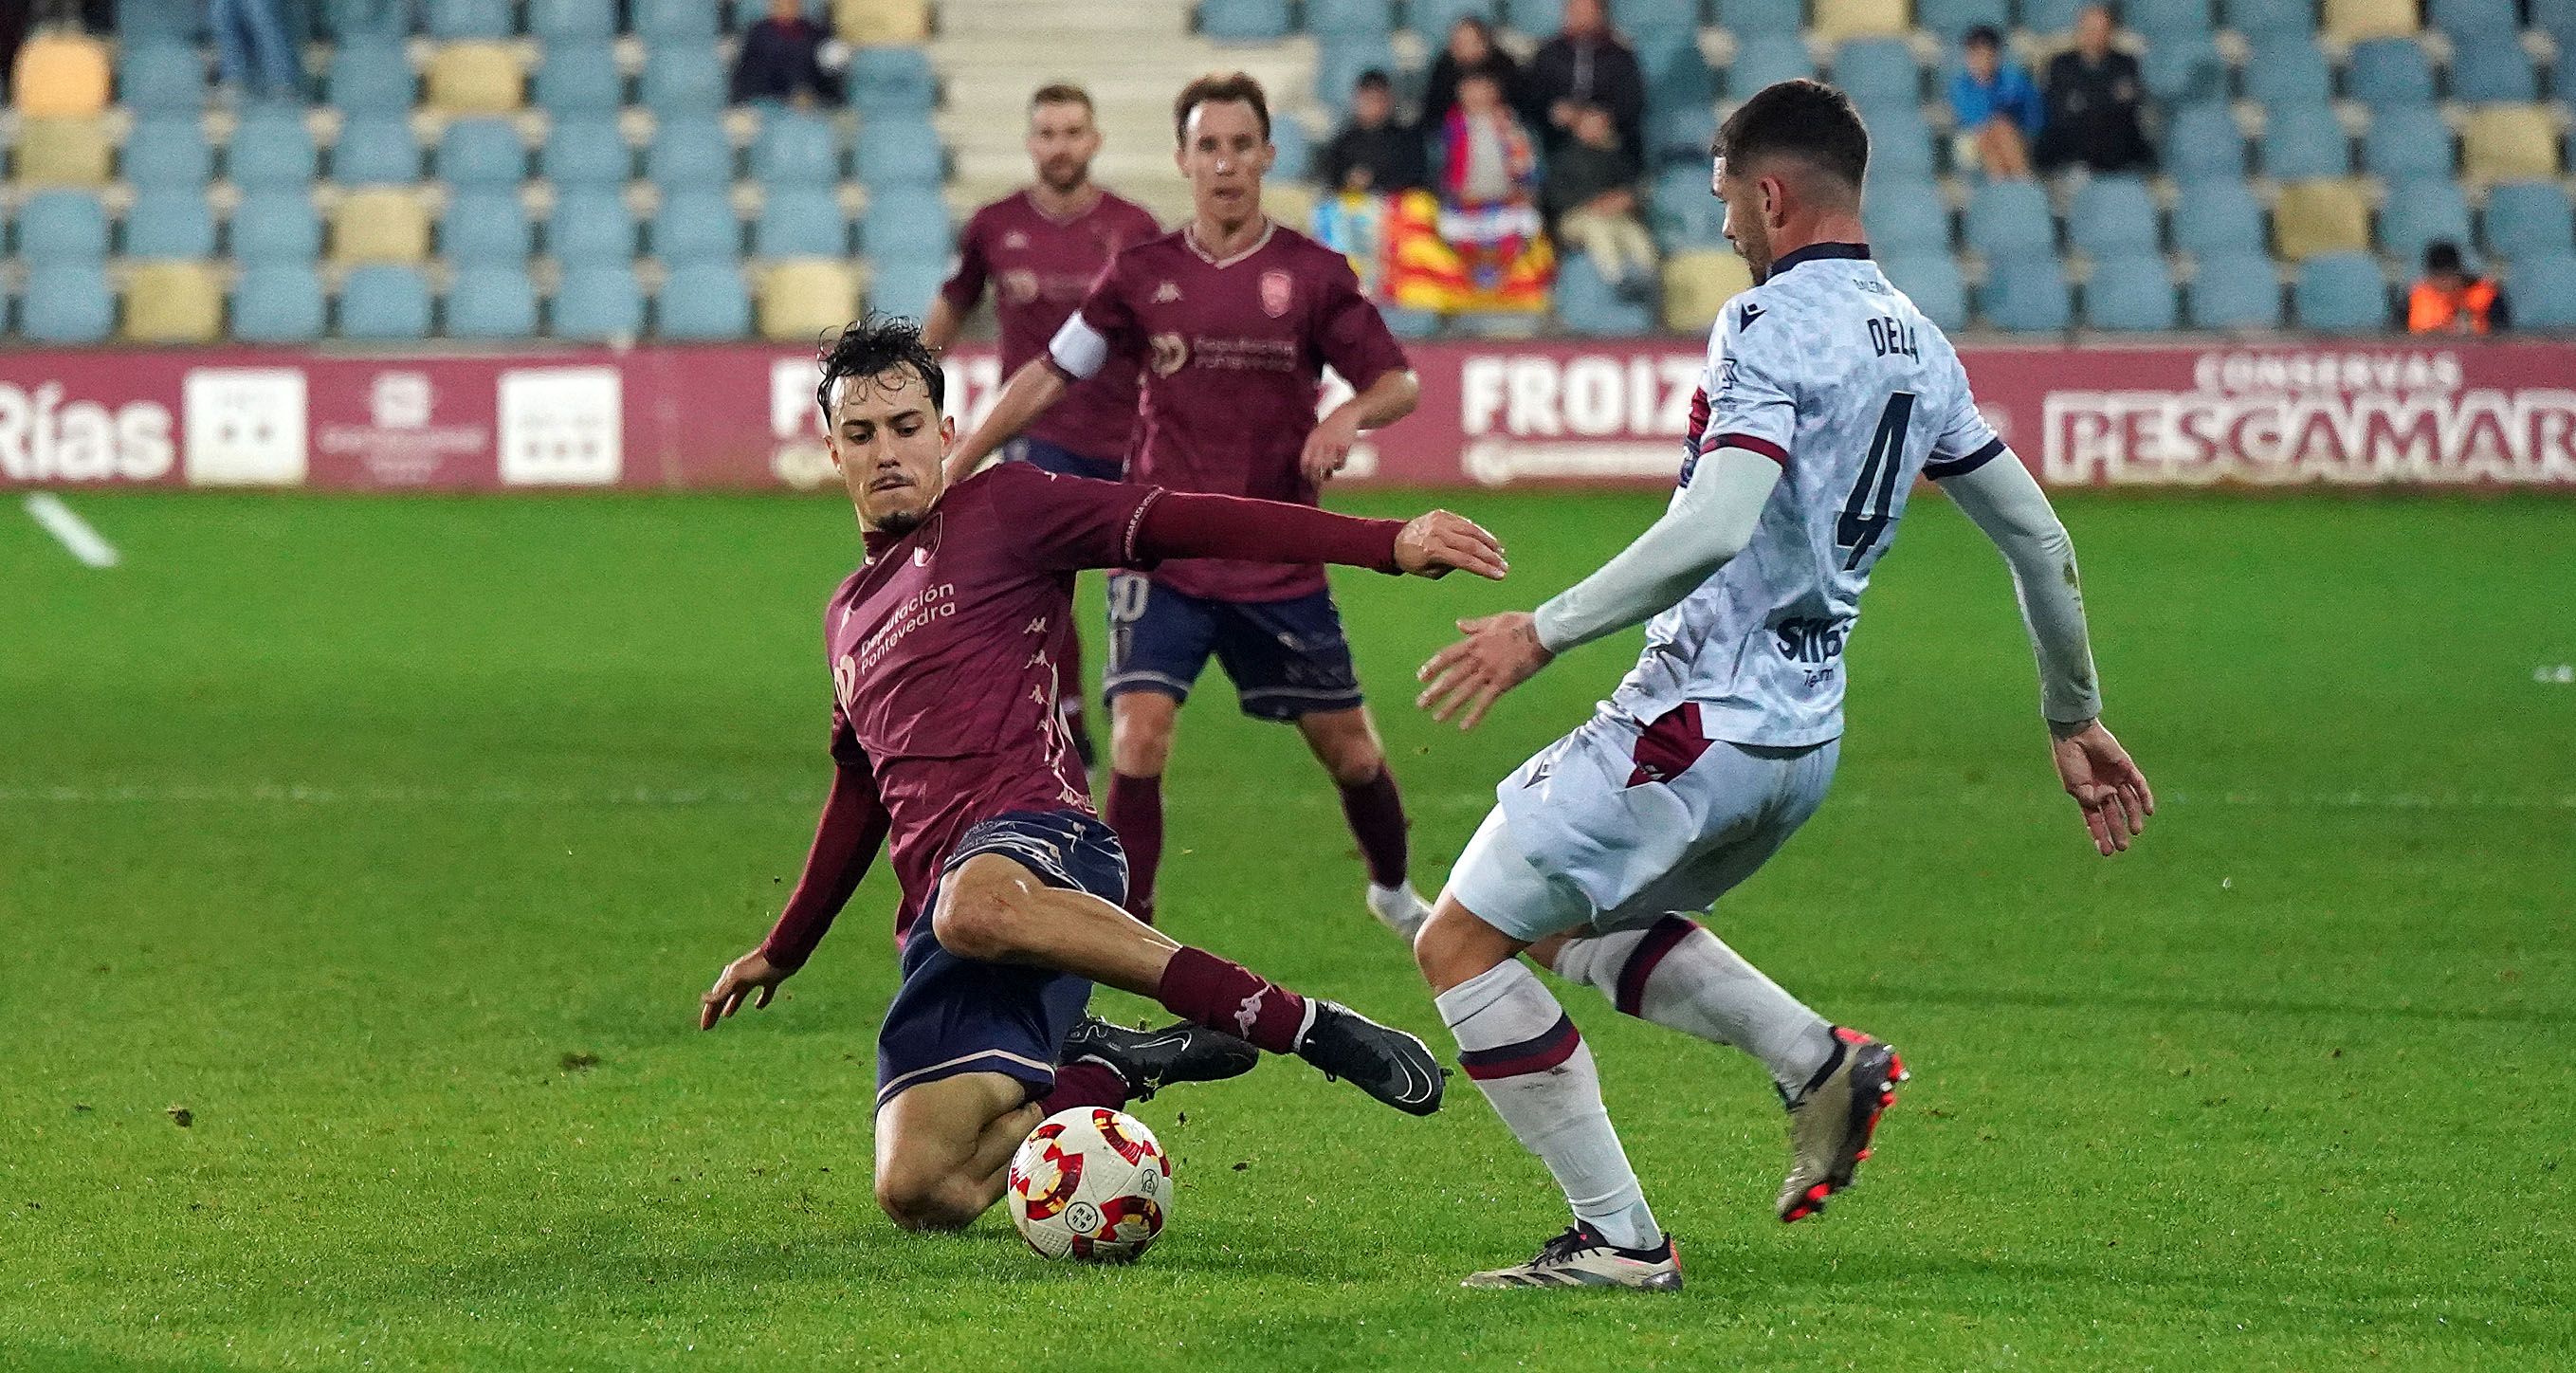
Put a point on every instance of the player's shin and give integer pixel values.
(1135, 811)
(1676, 974)
(1527, 1058)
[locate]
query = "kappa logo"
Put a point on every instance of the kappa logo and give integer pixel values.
(1167, 293)
(1249, 1013)
(1014, 241)
(1278, 291)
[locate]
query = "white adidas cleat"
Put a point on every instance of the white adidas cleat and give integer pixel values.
(1400, 909)
(1580, 1258)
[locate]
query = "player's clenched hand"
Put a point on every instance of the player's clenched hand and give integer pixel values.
(1500, 652)
(1329, 446)
(1440, 543)
(749, 976)
(2106, 784)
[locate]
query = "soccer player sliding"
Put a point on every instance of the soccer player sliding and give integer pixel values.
(1827, 393)
(946, 740)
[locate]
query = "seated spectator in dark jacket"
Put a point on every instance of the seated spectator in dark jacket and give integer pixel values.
(2096, 104)
(1586, 64)
(1997, 108)
(2450, 301)
(1375, 152)
(1471, 49)
(788, 55)
(1591, 191)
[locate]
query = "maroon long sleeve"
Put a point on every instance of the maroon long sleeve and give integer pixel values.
(1190, 524)
(845, 843)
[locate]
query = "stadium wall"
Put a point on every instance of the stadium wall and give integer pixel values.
(743, 416)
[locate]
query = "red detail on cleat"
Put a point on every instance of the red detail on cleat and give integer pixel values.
(1819, 1192)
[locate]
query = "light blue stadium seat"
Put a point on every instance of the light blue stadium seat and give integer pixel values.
(1539, 19)
(2009, 221)
(573, 21)
(2113, 216)
(905, 221)
(1932, 281)
(58, 227)
(492, 300)
(2491, 70)
(2164, 21)
(590, 224)
(1767, 58)
(1330, 17)
(904, 285)
(579, 80)
(1682, 133)
(2467, 21)
(160, 78)
(1432, 18)
(1747, 18)
(270, 148)
(683, 80)
(1899, 141)
(2218, 217)
(888, 80)
(68, 303)
(2131, 292)
(1294, 145)
(381, 302)
(2344, 292)
(2421, 212)
(2529, 219)
(1878, 71)
(1407, 323)
(167, 150)
(276, 227)
(2050, 18)
(600, 301)
(898, 152)
(795, 148)
(451, 19)
(2238, 290)
(1243, 21)
(372, 76)
(1339, 60)
(158, 19)
(703, 300)
(2263, 19)
(2203, 143)
(696, 225)
(1905, 215)
(1665, 51)
(1683, 211)
(482, 152)
(2304, 141)
(170, 221)
(689, 151)
(2543, 290)
(278, 302)
(2184, 68)
(586, 150)
(1587, 305)
(2406, 141)
(1685, 79)
(675, 21)
(2557, 18)
(2288, 69)
(483, 225)
(2389, 71)
(1950, 20)
(348, 19)
(2027, 295)
(801, 221)
(375, 149)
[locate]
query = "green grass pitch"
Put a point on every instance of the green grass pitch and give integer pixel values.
(394, 840)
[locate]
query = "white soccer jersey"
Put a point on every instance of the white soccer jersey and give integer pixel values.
(1831, 372)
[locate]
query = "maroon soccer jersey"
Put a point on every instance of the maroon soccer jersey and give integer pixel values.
(1040, 268)
(1234, 354)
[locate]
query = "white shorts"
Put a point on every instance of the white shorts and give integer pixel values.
(1614, 825)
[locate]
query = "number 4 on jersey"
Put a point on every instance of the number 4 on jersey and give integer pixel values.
(1865, 514)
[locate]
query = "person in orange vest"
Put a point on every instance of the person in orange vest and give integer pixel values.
(2447, 300)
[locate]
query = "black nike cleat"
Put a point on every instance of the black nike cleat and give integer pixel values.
(1382, 1061)
(1150, 1060)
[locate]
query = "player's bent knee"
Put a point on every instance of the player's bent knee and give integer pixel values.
(921, 1199)
(1455, 944)
(982, 910)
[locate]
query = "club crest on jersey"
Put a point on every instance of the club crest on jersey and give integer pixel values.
(1277, 290)
(1021, 287)
(1014, 241)
(1167, 293)
(1171, 354)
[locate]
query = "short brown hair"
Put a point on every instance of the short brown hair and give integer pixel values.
(1061, 93)
(1219, 88)
(1804, 119)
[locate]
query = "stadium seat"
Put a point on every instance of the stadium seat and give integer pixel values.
(276, 228)
(1667, 53)
(585, 151)
(2288, 70)
(168, 222)
(2487, 72)
(1697, 284)
(1243, 21)
(2234, 291)
(69, 151)
(2167, 21)
(1682, 133)
(801, 221)
(370, 77)
(2112, 216)
(2184, 68)
(59, 228)
(69, 303)
(1950, 20)
(384, 302)
(2544, 292)
(482, 153)
(2385, 72)
(2050, 19)
(1432, 18)
(1588, 305)
(1339, 60)
(2475, 21)
(2509, 143)
(1537, 18)
(799, 149)
(2027, 296)
(590, 225)
(905, 220)
(904, 285)
(375, 148)
(696, 225)
(1836, 20)
(900, 152)
(1293, 144)
(892, 80)
(1765, 59)
(683, 81)
(360, 19)
(1905, 214)
(2203, 143)
(799, 300)
(270, 148)
(2009, 221)
(173, 302)
(2301, 142)
(2344, 292)
(1327, 18)
(573, 21)
(2315, 217)
(169, 150)
(2406, 141)
(158, 19)
(881, 22)
(2354, 21)
(151, 78)
(702, 300)
(451, 19)
(599, 301)
(2529, 219)
(1899, 141)
(2421, 212)
(475, 78)
(2129, 292)
(675, 21)
(492, 300)
(1748, 18)
(484, 225)
(2262, 20)
(1681, 210)
(2219, 217)
(1876, 71)
(277, 302)
(64, 75)
(689, 151)
(581, 80)
(1933, 283)
(379, 225)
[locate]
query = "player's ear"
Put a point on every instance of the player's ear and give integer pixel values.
(947, 434)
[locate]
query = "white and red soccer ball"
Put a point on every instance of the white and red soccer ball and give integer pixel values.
(1092, 1184)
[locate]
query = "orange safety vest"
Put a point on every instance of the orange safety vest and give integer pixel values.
(2431, 310)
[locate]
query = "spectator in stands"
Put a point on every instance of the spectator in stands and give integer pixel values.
(2095, 105)
(252, 51)
(787, 56)
(1997, 108)
(1592, 193)
(1491, 161)
(1471, 49)
(1376, 152)
(1586, 64)
(2447, 300)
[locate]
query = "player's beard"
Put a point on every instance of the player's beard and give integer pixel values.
(895, 524)
(1065, 177)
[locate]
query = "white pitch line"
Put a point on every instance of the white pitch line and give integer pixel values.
(65, 524)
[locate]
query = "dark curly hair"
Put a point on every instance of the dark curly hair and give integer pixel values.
(872, 346)
(1803, 119)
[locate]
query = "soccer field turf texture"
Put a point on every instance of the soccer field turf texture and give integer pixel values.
(394, 840)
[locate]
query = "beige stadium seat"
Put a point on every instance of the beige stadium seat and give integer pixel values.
(1697, 284)
(381, 225)
(1837, 20)
(2350, 21)
(173, 302)
(881, 22)
(475, 78)
(802, 297)
(2509, 142)
(63, 152)
(2323, 216)
(61, 75)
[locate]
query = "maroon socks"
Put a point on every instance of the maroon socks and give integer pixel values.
(1084, 1083)
(1376, 812)
(1227, 997)
(1135, 811)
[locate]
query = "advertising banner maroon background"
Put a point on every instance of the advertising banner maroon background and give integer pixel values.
(743, 415)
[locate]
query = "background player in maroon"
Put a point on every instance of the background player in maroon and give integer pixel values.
(1235, 318)
(946, 742)
(1039, 249)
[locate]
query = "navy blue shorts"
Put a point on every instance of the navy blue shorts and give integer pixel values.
(1286, 658)
(957, 1015)
(1064, 462)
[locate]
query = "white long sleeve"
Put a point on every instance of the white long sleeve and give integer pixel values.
(2006, 502)
(1709, 522)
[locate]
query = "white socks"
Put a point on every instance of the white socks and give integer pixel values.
(1676, 974)
(1515, 1041)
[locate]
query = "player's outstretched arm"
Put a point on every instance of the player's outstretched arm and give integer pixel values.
(2006, 502)
(845, 842)
(1709, 522)
(1180, 524)
(1028, 394)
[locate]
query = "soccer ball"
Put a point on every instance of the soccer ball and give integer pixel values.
(1091, 1184)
